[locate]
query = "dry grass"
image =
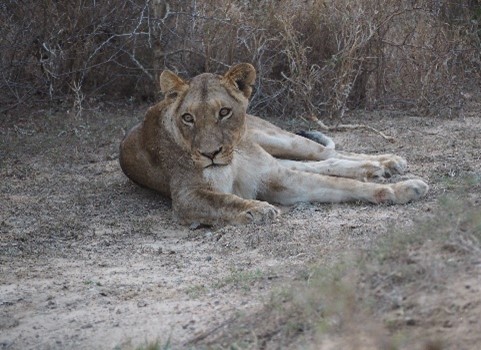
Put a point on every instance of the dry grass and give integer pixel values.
(370, 300)
(320, 57)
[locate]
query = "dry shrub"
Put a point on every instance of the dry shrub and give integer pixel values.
(428, 59)
(53, 49)
(377, 53)
(317, 57)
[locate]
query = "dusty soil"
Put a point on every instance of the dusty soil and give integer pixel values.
(91, 261)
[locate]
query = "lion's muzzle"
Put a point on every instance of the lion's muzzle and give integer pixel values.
(217, 157)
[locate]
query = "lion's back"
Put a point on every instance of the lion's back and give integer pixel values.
(139, 165)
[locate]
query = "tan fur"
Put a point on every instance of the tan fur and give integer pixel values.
(218, 164)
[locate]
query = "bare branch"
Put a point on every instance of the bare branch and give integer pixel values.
(344, 127)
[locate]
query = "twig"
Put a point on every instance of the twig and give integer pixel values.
(139, 65)
(76, 87)
(204, 335)
(343, 127)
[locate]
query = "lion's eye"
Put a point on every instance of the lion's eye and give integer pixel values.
(188, 118)
(225, 113)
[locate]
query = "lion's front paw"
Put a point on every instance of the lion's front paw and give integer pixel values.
(410, 190)
(260, 212)
(393, 165)
(373, 170)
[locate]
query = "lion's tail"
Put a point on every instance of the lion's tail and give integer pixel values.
(318, 137)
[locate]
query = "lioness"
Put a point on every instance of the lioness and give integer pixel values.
(220, 165)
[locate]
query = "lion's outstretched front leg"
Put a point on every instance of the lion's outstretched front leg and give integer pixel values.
(290, 186)
(209, 207)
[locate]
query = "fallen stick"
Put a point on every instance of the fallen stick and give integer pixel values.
(343, 127)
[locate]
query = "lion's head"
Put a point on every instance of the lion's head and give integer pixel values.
(206, 116)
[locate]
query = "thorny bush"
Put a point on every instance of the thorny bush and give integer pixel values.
(316, 57)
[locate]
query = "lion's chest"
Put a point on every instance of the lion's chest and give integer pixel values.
(241, 177)
(220, 179)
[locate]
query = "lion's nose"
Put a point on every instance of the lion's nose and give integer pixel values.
(211, 155)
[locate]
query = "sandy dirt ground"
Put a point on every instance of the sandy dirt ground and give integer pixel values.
(91, 261)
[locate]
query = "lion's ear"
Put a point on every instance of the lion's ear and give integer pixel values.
(170, 83)
(242, 76)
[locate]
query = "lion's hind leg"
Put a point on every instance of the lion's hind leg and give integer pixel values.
(391, 163)
(287, 145)
(354, 169)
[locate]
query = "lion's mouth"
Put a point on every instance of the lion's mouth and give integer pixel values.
(215, 165)
(217, 162)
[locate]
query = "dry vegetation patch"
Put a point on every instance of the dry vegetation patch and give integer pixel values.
(317, 57)
(416, 288)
